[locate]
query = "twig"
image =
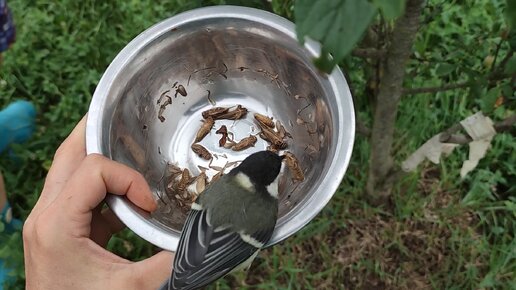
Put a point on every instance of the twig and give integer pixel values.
(492, 78)
(460, 139)
(506, 124)
(414, 91)
(449, 135)
(498, 45)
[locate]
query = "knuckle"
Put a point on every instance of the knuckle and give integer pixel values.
(61, 150)
(28, 229)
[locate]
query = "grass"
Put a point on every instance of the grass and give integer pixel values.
(438, 232)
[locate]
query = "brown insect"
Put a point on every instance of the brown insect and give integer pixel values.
(294, 167)
(272, 149)
(282, 132)
(272, 137)
(201, 181)
(214, 112)
(205, 129)
(201, 151)
(163, 96)
(184, 181)
(223, 130)
(160, 114)
(171, 187)
(264, 120)
(237, 113)
(311, 150)
(173, 170)
(180, 90)
(245, 143)
(165, 100)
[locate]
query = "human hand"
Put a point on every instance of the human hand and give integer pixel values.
(65, 234)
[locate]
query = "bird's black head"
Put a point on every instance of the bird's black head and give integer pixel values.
(261, 167)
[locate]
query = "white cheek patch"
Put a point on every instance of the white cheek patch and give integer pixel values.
(244, 181)
(251, 241)
(272, 188)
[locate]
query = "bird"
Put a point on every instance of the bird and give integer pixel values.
(228, 224)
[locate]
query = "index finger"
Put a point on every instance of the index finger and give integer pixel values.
(88, 186)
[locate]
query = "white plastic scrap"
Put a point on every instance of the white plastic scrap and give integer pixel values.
(478, 126)
(481, 130)
(431, 150)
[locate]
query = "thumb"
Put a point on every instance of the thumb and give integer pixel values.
(153, 271)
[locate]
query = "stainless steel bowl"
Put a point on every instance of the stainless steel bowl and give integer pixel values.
(240, 56)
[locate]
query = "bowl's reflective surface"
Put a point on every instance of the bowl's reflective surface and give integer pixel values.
(238, 56)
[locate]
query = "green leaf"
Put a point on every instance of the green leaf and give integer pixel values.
(510, 13)
(510, 67)
(337, 24)
(488, 281)
(512, 39)
(444, 69)
(391, 9)
(487, 102)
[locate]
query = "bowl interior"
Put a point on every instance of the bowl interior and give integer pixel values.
(234, 62)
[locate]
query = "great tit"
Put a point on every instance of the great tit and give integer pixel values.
(228, 224)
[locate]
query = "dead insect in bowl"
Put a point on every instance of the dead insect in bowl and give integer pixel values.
(245, 143)
(293, 166)
(223, 130)
(180, 90)
(238, 113)
(264, 120)
(205, 129)
(201, 151)
(273, 137)
(214, 112)
(184, 181)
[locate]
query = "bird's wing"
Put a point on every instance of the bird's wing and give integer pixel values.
(205, 254)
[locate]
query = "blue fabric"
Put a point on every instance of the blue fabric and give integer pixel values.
(5, 278)
(16, 123)
(7, 29)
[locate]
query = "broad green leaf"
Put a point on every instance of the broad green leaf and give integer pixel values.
(337, 24)
(444, 69)
(391, 9)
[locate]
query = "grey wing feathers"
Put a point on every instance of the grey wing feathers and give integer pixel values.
(204, 255)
